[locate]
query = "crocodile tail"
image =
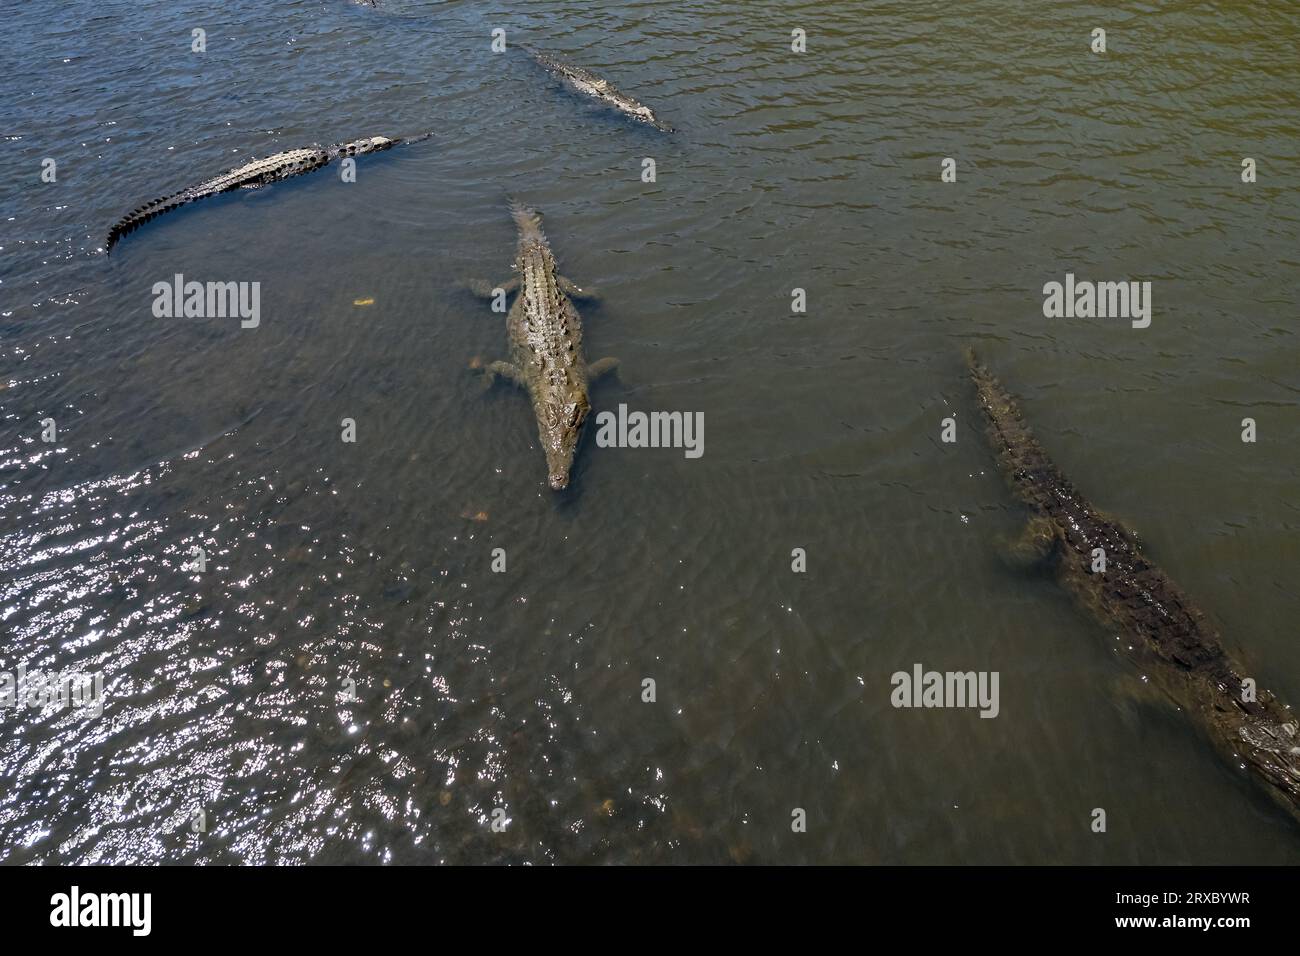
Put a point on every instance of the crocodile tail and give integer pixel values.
(141, 214)
(544, 59)
(527, 219)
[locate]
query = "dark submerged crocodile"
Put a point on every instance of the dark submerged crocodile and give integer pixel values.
(1181, 650)
(589, 83)
(546, 355)
(258, 172)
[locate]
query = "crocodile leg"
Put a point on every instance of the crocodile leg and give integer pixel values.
(504, 370)
(601, 367)
(486, 290)
(575, 291)
(1034, 547)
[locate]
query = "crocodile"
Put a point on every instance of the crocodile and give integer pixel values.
(258, 172)
(1168, 635)
(592, 85)
(546, 354)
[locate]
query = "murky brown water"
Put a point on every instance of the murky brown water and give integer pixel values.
(370, 562)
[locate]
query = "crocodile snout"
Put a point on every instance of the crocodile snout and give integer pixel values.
(559, 481)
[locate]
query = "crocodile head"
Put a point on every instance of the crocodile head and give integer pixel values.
(559, 425)
(646, 115)
(368, 144)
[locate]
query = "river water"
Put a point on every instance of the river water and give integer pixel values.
(349, 681)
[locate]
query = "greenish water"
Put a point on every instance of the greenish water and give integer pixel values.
(225, 691)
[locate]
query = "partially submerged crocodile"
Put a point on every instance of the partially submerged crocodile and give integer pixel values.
(546, 355)
(1181, 650)
(592, 85)
(258, 172)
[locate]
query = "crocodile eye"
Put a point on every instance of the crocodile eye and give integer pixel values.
(552, 415)
(574, 415)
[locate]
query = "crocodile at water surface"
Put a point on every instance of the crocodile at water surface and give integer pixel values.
(592, 85)
(546, 354)
(1170, 637)
(258, 172)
